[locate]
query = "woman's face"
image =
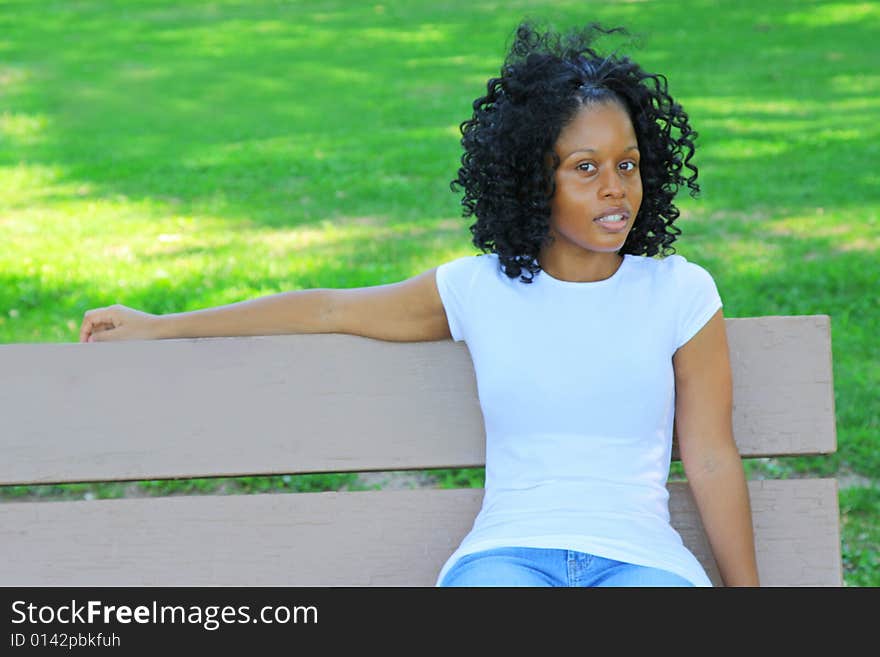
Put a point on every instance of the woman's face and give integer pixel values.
(598, 175)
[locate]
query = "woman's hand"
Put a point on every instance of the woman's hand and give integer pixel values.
(118, 323)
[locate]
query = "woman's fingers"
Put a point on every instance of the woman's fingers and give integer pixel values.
(99, 331)
(117, 323)
(96, 321)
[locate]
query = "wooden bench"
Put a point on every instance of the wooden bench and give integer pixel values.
(338, 403)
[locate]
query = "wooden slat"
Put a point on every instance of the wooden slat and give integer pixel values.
(376, 538)
(328, 402)
(797, 531)
(783, 385)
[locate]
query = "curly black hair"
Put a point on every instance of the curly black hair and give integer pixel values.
(508, 165)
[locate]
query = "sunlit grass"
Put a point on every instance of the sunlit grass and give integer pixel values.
(177, 155)
(834, 13)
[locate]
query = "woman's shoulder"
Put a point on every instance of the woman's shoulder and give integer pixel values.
(674, 272)
(673, 264)
(656, 262)
(470, 262)
(472, 258)
(462, 271)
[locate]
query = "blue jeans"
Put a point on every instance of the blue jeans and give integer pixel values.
(517, 566)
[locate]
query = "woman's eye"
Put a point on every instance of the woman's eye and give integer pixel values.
(628, 166)
(583, 166)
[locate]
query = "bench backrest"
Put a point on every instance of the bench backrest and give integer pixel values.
(338, 403)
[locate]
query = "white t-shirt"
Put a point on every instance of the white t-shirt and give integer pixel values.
(577, 389)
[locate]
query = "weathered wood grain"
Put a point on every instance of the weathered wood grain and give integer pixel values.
(375, 538)
(328, 402)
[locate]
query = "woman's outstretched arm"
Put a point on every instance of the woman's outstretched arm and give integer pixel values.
(711, 460)
(407, 311)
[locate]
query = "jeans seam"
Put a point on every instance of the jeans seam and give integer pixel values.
(578, 565)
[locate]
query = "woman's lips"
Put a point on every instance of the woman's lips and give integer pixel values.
(612, 226)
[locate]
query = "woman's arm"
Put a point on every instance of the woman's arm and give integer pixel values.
(704, 430)
(408, 311)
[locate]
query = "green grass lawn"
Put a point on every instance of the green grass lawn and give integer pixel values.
(175, 155)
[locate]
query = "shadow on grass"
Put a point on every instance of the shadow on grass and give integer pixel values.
(267, 112)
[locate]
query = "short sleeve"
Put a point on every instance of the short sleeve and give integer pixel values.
(697, 299)
(454, 282)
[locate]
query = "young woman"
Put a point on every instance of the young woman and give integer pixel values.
(587, 349)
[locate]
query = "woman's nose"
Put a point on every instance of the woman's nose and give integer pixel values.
(611, 186)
